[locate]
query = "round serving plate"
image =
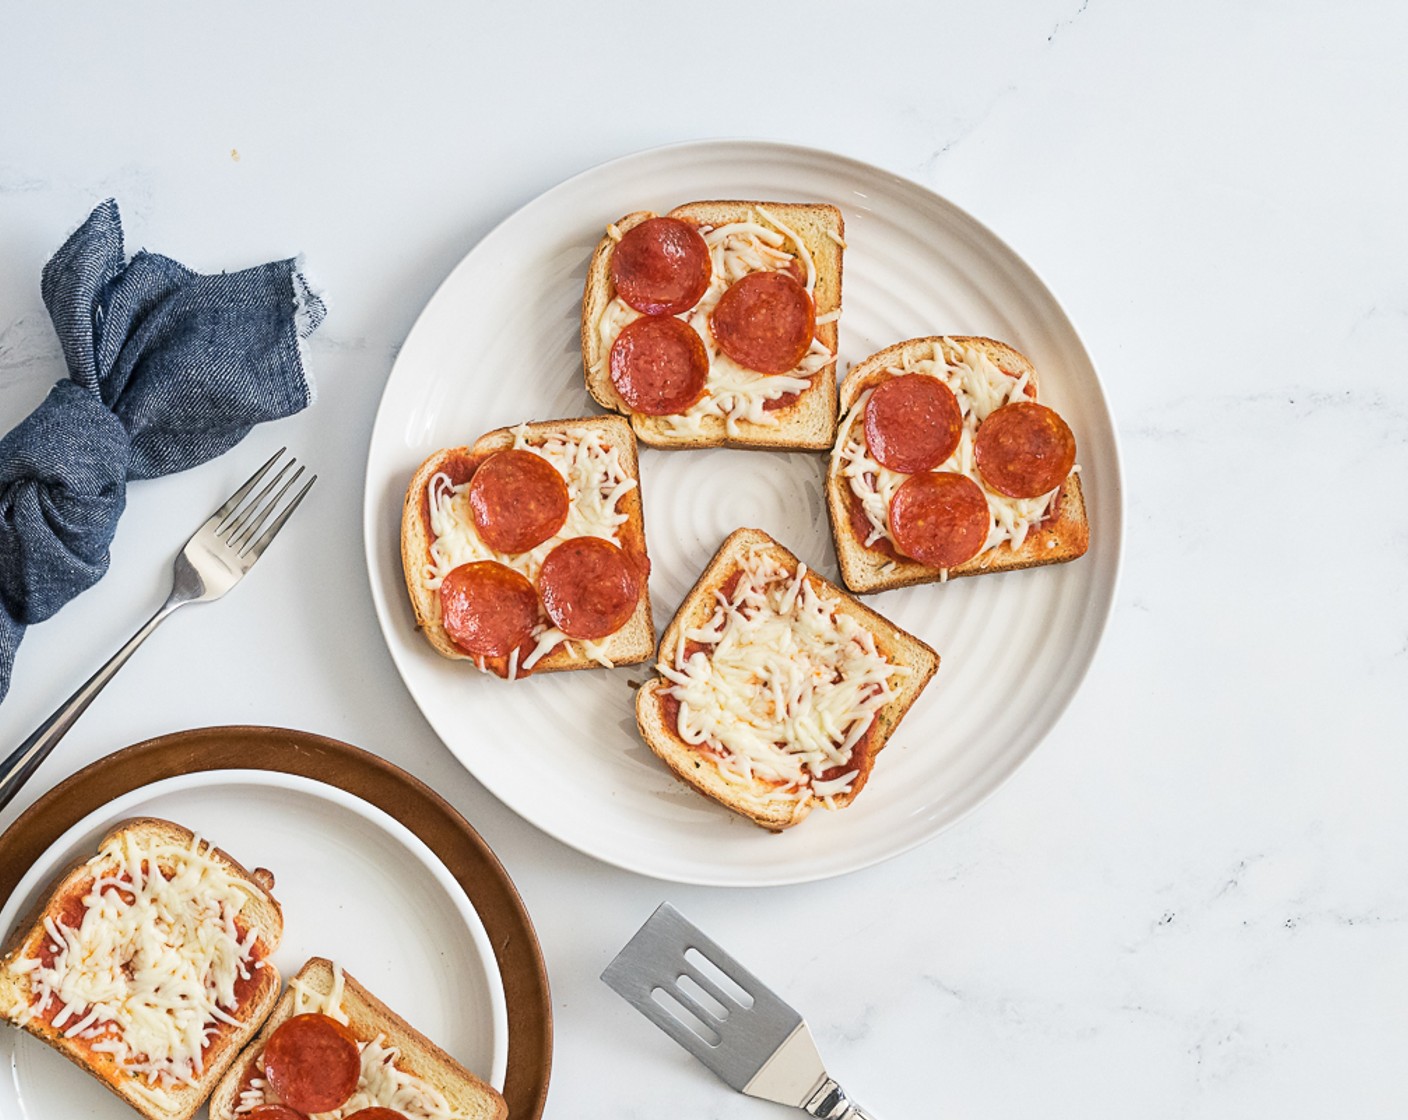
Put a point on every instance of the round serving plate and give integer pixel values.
(498, 344)
(371, 868)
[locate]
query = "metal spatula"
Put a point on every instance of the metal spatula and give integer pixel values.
(747, 1036)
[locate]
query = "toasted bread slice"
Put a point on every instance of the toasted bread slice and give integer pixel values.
(322, 987)
(1063, 535)
(758, 799)
(632, 643)
(64, 907)
(806, 421)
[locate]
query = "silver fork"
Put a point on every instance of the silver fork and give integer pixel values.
(213, 561)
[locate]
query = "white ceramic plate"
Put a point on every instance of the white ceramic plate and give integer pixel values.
(498, 344)
(355, 886)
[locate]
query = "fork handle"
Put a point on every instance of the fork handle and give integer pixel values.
(830, 1102)
(25, 759)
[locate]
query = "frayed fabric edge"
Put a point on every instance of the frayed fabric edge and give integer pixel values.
(310, 308)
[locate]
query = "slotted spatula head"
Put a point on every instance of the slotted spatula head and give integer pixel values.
(686, 985)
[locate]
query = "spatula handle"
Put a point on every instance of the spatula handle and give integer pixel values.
(830, 1102)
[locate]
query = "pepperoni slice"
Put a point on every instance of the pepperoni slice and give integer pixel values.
(376, 1114)
(487, 608)
(312, 1063)
(518, 500)
(589, 587)
(273, 1112)
(912, 423)
(939, 518)
(765, 321)
(661, 267)
(659, 365)
(1024, 450)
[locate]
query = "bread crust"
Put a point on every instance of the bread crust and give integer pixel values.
(263, 911)
(695, 766)
(367, 1017)
(1062, 537)
(809, 422)
(630, 645)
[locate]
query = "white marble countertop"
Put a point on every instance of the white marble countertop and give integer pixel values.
(1191, 901)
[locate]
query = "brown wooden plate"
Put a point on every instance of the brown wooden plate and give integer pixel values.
(424, 812)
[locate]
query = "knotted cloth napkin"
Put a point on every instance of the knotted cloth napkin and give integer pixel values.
(167, 369)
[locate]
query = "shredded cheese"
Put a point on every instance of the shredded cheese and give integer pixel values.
(981, 388)
(785, 684)
(596, 483)
(733, 393)
(381, 1083)
(148, 974)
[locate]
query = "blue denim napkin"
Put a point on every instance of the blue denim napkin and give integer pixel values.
(167, 368)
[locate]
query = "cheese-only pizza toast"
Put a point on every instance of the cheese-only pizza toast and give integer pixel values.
(776, 689)
(148, 965)
(716, 324)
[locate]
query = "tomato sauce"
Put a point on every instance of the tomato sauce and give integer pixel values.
(861, 528)
(459, 468)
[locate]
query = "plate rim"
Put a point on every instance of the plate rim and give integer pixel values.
(367, 777)
(52, 862)
(1114, 532)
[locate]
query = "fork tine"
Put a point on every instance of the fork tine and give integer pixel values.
(257, 548)
(238, 496)
(237, 542)
(242, 518)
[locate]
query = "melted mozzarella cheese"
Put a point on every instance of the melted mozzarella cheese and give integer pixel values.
(308, 1002)
(596, 483)
(981, 388)
(733, 393)
(148, 974)
(786, 684)
(381, 1082)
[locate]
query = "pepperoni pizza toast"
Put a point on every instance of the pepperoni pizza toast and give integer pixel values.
(525, 553)
(776, 689)
(945, 465)
(716, 324)
(148, 965)
(333, 1049)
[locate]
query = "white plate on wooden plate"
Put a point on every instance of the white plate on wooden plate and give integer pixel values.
(498, 344)
(355, 886)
